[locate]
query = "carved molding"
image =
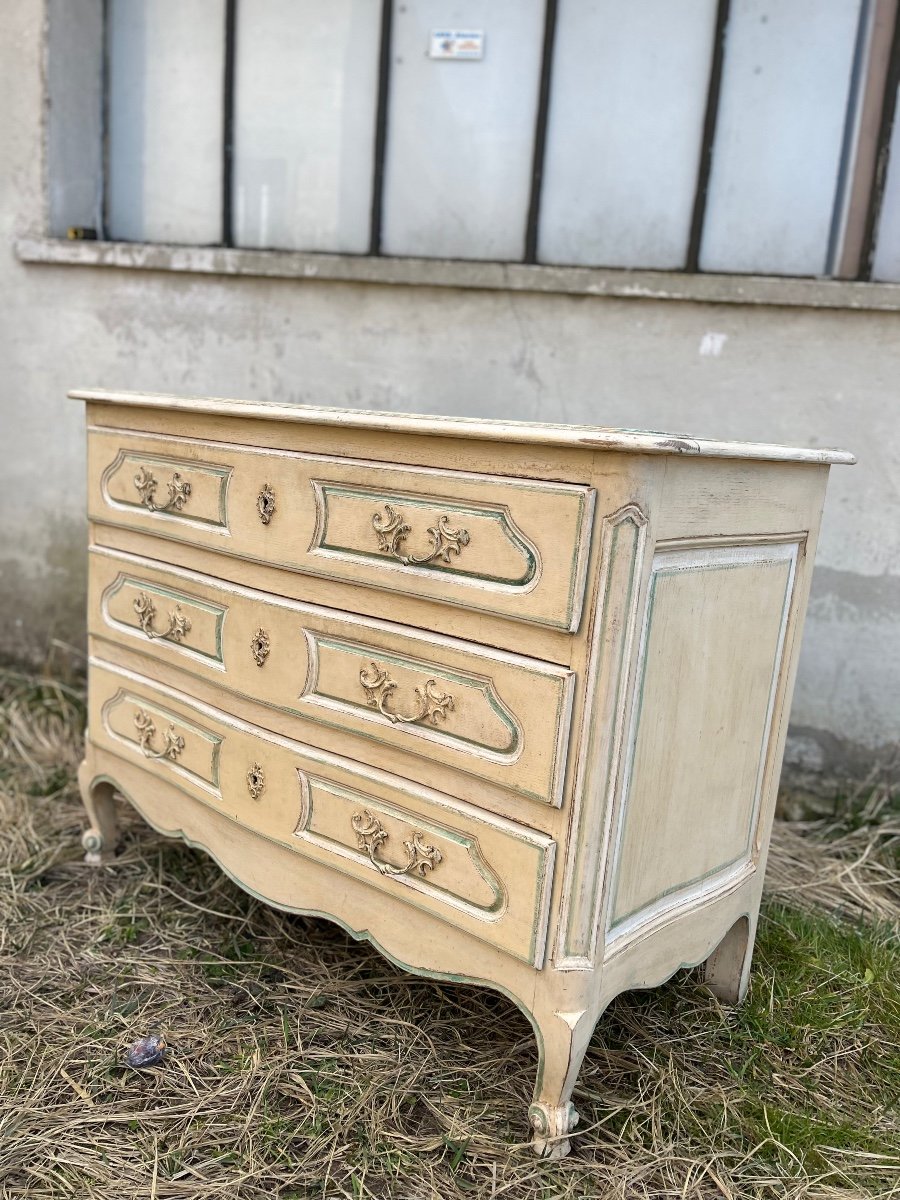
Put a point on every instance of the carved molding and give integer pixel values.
(368, 830)
(685, 560)
(205, 623)
(144, 482)
(446, 539)
(623, 542)
(472, 691)
(203, 767)
(552, 1124)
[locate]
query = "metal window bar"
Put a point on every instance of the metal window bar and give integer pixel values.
(882, 154)
(540, 133)
(708, 137)
(381, 109)
(869, 70)
(228, 125)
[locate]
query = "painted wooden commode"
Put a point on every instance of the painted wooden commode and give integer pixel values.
(507, 700)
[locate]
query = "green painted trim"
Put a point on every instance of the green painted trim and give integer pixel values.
(469, 603)
(163, 462)
(470, 845)
(358, 935)
(403, 500)
(405, 896)
(582, 916)
(315, 717)
(216, 610)
(213, 739)
(440, 733)
(745, 852)
(680, 887)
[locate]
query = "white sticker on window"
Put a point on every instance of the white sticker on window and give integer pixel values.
(457, 43)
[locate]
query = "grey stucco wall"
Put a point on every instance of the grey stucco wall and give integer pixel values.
(791, 374)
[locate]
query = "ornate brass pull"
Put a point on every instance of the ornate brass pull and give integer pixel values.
(392, 532)
(179, 625)
(179, 491)
(378, 688)
(173, 742)
(370, 834)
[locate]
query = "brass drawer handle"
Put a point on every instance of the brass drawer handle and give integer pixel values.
(173, 742)
(392, 532)
(179, 625)
(370, 834)
(179, 491)
(378, 687)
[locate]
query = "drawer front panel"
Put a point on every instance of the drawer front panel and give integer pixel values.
(171, 489)
(483, 874)
(499, 717)
(489, 543)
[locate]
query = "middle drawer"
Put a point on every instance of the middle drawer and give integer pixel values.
(500, 717)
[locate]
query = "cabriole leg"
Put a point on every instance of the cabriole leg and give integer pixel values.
(727, 970)
(99, 839)
(552, 1114)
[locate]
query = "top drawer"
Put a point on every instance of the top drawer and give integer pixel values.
(501, 545)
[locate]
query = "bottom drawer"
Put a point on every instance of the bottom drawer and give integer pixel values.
(481, 873)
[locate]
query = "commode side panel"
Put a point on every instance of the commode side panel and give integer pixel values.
(712, 645)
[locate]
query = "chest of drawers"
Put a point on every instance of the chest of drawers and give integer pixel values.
(507, 700)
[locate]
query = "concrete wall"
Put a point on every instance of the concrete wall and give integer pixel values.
(800, 375)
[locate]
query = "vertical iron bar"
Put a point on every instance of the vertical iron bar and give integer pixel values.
(228, 125)
(103, 183)
(710, 120)
(855, 98)
(381, 108)
(882, 155)
(540, 132)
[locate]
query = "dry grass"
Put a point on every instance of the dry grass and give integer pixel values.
(304, 1065)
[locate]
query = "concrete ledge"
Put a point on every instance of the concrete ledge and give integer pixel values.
(428, 272)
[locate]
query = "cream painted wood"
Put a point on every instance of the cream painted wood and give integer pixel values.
(551, 645)
(489, 876)
(699, 681)
(630, 441)
(626, 834)
(507, 719)
(455, 537)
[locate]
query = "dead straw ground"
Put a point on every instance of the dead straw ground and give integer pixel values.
(303, 1064)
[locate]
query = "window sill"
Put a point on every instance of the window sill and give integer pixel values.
(491, 276)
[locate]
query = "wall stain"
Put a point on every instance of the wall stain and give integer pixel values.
(44, 602)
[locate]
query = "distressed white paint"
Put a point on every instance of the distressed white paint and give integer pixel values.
(714, 681)
(666, 745)
(712, 344)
